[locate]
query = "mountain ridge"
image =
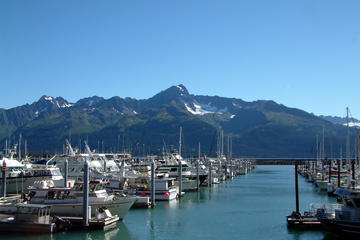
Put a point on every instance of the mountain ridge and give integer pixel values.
(259, 128)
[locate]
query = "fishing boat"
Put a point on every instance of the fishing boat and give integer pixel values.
(29, 218)
(345, 220)
(165, 189)
(65, 201)
(19, 176)
(169, 164)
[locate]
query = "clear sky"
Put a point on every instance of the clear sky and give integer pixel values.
(300, 53)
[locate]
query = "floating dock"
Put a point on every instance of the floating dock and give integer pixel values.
(76, 223)
(303, 222)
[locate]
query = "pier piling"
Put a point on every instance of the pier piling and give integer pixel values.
(152, 184)
(296, 188)
(339, 169)
(197, 170)
(66, 171)
(210, 173)
(86, 195)
(180, 178)
(4, 179)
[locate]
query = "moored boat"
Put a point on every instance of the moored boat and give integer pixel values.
(347, 219)
(69, 201)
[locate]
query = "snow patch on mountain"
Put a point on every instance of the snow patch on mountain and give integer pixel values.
(202, 109)
(66, 105)
(48, 98)
(236, 105)
(353, 124)
(180, 88)
(55, 101)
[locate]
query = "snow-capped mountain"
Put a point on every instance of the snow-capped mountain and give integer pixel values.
(353, 122)
(259, 128)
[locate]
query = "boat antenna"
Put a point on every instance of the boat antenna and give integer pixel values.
(166, 152)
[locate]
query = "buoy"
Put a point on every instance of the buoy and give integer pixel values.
(166, 194)
(143, 194)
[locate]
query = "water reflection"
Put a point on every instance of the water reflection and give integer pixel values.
(171, 204)
(120, 231)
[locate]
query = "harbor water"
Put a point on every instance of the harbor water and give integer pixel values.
(252, 206)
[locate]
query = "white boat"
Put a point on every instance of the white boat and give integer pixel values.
(347, 219)
(322, 184)
(170, 165)
(19, 176)
(69, 201)
(165, 189)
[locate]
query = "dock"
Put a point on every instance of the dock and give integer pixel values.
(297, 221)
(76, 223)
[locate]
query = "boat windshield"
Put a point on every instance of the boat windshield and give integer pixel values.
(56, 172)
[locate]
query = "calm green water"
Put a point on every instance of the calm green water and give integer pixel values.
(248, 207)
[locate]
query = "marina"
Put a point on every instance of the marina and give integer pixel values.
(249, 206)
(179, 120)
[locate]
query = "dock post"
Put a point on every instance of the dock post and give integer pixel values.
(104, 165)
(197, 170)
(296, 188)
(210, 173)
(353, 169)
(66, 169)
(180, 177)
(86, 195)
(226, 168)
(4, 168)
(329, 180)
(339, 169)
(152, 184)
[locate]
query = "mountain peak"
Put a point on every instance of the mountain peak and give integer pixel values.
(46, 98)
(89, 101)
(59, 102)
(179, 90)
(182, 89)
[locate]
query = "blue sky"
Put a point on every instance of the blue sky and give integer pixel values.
(303, 54)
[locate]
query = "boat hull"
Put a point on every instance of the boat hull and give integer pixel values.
(116, 207)
(161, 195)
(27, 227)
(341, 226)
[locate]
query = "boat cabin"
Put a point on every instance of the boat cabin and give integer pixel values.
(48, 195)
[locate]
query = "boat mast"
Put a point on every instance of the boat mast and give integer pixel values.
(19, 157)
(71, 151)
(317, 147)
(323, 144)
(180, 141)
(26, 152)
(228, 148)
(347, 138)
